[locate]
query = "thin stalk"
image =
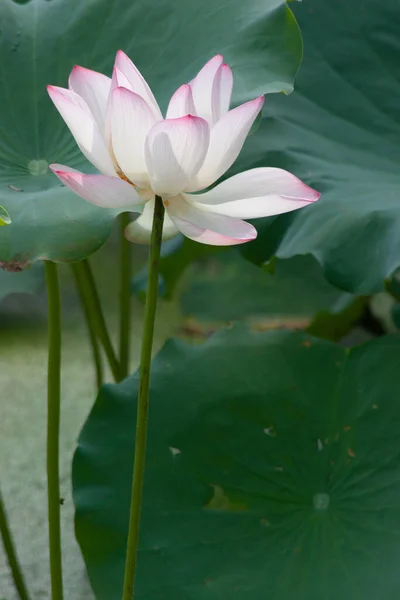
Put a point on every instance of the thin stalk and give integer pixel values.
(11, 553)
(88, 283)
(143, 401)
(88, 311)
(53, 427)
(125, 298)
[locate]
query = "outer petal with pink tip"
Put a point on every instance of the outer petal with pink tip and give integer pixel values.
(108, 192)
(137, 81)
(118, 80)
(174, 151)
(83, 127)
(256, 193)
(226, 141)
(207, 228)
(94, 88)
(223, 91)
(204, 89)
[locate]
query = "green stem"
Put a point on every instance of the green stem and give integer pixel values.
(11, 554)
(143, 401)
(88, 284)
(125, 298)
(53, 427)
(90, 322)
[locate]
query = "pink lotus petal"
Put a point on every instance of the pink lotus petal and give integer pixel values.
(261, 192)
(137, 81)
(94, 88)
(102, 190)
(203, 89)
(226, 141)
(139, 231)
(181, 103)
(83, 127)
(207, 228)
(175, 150)
(130, 120)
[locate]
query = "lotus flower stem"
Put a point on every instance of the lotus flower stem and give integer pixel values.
(89, 287)
(125, 298)
(143, 400)
(11, 554)
(53, 427)
(90, 321)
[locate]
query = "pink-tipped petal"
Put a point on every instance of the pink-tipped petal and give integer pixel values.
(137, 81)
(175, 150)
(130, 119)
(119, 80)
(102, 190)
(223, 91)
(94, 88)
(181, 103)
(207, 228)
(139, 231)
(226, 141)
(83, 127)
(203, 89)
(261, 192)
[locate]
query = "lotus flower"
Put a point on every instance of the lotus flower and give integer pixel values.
(119, 127)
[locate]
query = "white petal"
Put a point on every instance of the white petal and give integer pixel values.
(203, 89)
(175, 150)
(94, 88)
(226, 141)
(223, 91)
(108, 192)
(130, 121)
(140, 230)
(137, 81)
(181, 103)
(83, 127)
(119, 80)
(208, 228)
(257, 193)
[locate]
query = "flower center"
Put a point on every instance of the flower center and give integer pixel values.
(122, 175)
(146, 193)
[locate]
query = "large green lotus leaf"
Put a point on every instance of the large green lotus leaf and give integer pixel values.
(173, 265)
(41, 40)
(340, 131)
(226, 287)
(273, 472)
